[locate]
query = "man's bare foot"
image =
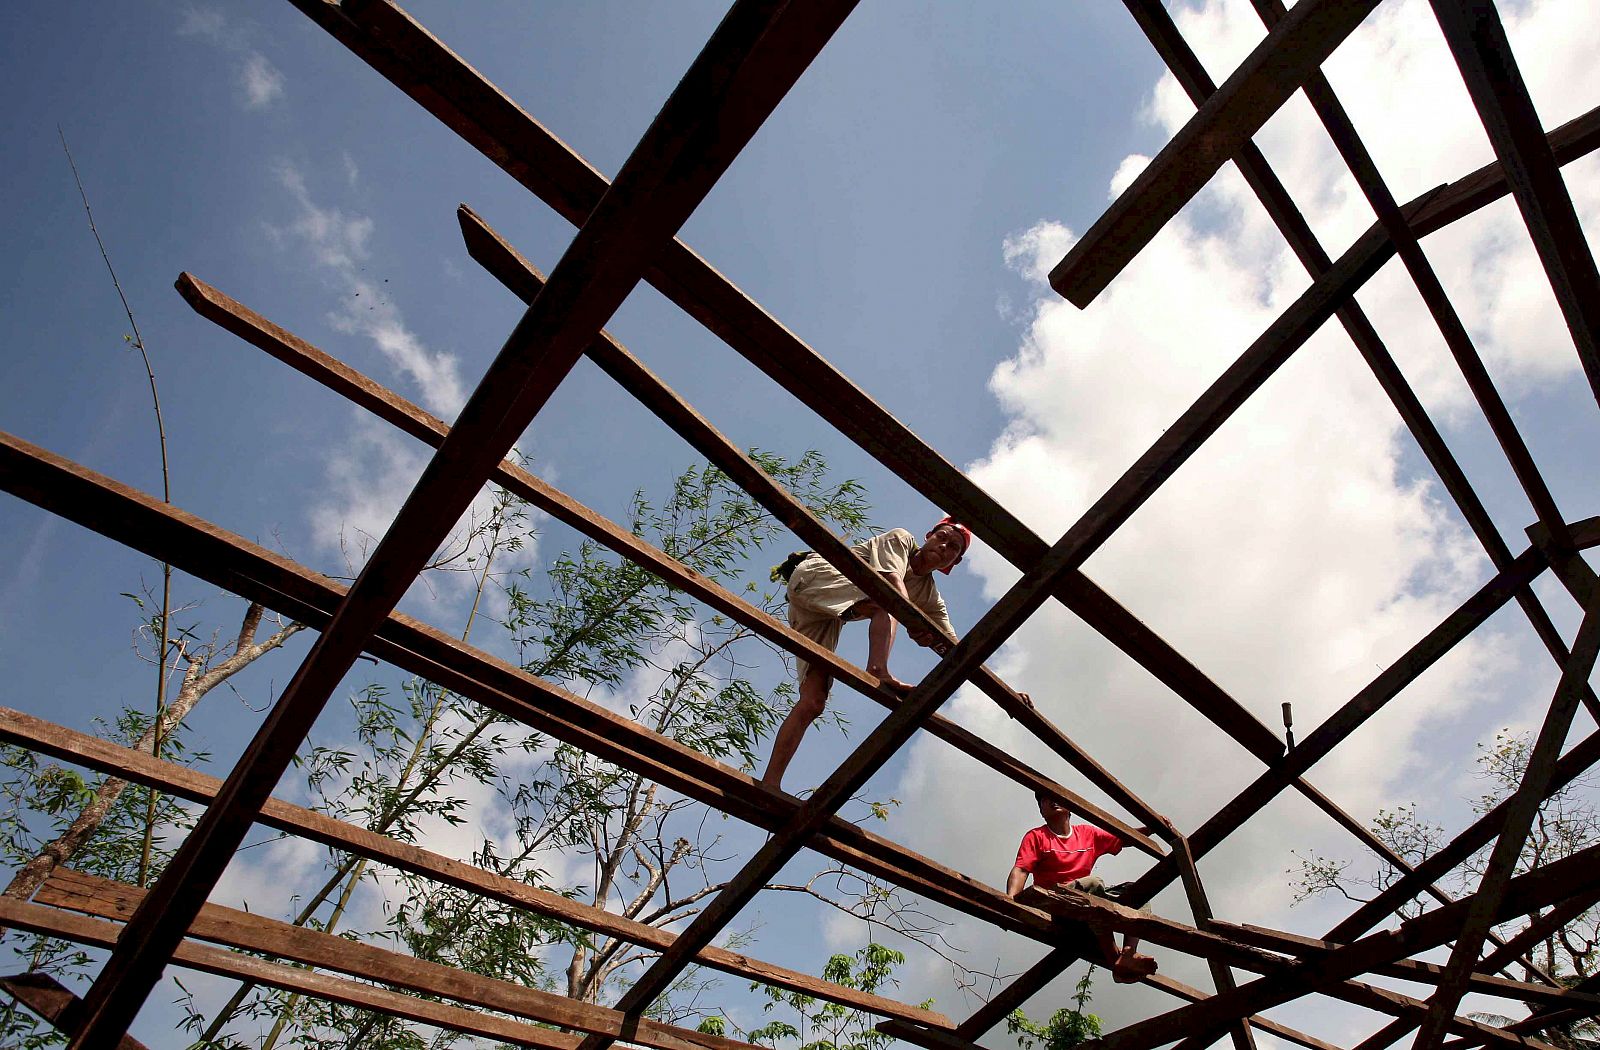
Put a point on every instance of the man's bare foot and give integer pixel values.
(1130, 967)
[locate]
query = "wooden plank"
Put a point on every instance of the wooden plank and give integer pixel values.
(1538, 929)
(211, 554)
(105, 899)
(55, 1003)
(1353, 714)
(1098, 912)
(1483, 54)
(1274, 70)
(1574, 764)
(1266, 1024)
(391, 407)
(1163, 34)
(1520, 810)
(752, 59)
(224, 963)
(438, 80)
(1407, 969)
(508, 266)
(69, 745)
(1536, 889)
(1200, 907)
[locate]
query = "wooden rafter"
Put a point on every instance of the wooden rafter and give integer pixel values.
(745, 69)
(391, 407)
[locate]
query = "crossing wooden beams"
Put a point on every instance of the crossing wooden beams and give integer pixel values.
(627, 233)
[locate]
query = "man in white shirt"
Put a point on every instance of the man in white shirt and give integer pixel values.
(821, 600)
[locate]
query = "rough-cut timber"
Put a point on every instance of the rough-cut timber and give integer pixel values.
(391, 407)
(69, 745)
(1277, 67)
(749, 64)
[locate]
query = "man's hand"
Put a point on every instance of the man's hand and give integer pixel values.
(1165, 828)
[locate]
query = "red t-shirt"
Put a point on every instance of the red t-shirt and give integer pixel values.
(1054, 859)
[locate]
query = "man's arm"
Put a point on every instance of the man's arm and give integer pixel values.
(1016, 882)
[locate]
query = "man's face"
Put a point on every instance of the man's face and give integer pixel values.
(1050, 810)
(942, 548)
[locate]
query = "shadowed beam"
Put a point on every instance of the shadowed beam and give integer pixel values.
(55, 1003)
(518, 275)
(1426, 214)
(1408, 969)
(81, 749)
(218, 557)
(440, 82)
(1572, 765)
(104, 899)
(1483, 54)
(1277, 67)
(1188, 993)
(1520, 810)
(223, 963)
(1331, 112)
(1106, 915)
(1176, 444)
(1570, 140)
(1200, 907)
(391, 407)
(1536, 889)
(752, 59)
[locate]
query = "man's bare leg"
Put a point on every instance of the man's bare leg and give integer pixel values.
(807, 709)
(881, 630)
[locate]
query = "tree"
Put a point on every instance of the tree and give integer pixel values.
(1566, 822)
(820, 1025)
(1067, 1027)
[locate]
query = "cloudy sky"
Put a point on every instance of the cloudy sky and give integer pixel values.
(898, 212)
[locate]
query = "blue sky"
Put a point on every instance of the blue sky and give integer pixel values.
(894, 212)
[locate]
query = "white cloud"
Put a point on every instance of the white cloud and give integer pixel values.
(260, 83)
(1294, 555)
(338, 243)
(263, 84)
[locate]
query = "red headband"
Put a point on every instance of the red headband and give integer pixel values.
(966, 538)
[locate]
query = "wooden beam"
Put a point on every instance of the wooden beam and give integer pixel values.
(752, 59)
(1370, 180)
(397, 410)
(1275, 70)
(360, 389)
(211, 554)
(105, 899)
(1574, 764)
(518, 275)
(68, 745)
(439, 81)
(1200, 908)
(1339, 725)
(1266, 1024)
(1097, 912)
(1407, 969)
(1483, 54)
(224, 963)
(1520, 811)
(1536, 889)
(54, 1002)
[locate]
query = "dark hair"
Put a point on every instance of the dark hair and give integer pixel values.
(785, 569)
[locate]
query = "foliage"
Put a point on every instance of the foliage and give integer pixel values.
(1067, 1027)
(821, 1025)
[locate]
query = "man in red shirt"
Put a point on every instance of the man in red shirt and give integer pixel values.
(1060, 853)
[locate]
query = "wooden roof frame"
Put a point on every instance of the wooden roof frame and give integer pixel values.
(627, 234)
